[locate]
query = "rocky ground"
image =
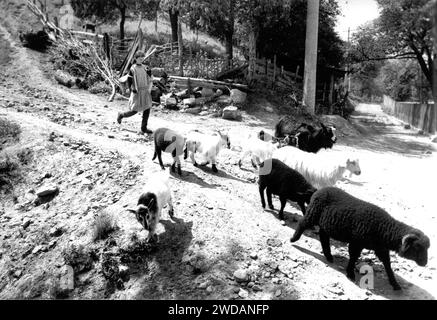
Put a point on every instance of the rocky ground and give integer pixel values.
(221, 245)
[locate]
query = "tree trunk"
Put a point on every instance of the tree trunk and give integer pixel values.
(253, 38)
(122, 20)
(229, 34)
(229, 48)
(156, 25)
(310, 71)
(174, 24)
(180, 48)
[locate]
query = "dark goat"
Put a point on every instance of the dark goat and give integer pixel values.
(169, 141)
(285, 182)
(305, 137)
(311, 140)
(363, 225)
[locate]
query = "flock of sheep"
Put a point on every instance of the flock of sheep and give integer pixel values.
(302, 172)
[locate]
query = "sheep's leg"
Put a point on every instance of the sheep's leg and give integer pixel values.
(269, 198)
(324, 241)
(384, 256)
(192, 158)
(254, 161)
(213, 166)
(257, 162)
(176, 161)
(283, 203)
(261, 193)
(354, 254)
(170, 207)
(160, 159)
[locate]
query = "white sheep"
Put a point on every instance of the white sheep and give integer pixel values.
(156, 194)
(321, 169)
(258, 149)
(208, 146)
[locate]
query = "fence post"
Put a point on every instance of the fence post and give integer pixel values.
(265, 66)
(274, 68)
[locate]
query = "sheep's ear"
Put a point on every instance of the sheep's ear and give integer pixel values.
(131, 210)
(407, 241)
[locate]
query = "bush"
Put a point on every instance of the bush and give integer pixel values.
(8, 169)
(9, 129)
(100, 87)
(103, 226)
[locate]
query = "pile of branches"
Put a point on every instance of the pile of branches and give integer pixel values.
(84, 61)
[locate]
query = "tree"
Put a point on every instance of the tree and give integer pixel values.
(217, 18)
(175, 8)
(112, 10)
(403, 30)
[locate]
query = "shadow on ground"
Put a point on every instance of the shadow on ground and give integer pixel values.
(381, 285)
(380, 135)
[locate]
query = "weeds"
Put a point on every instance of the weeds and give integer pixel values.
(9, 129)
(103, 226)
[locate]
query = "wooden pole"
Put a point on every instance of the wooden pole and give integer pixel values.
(434, 81)
(180, 47)
(310, 70)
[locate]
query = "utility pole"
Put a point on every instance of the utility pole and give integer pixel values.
(310, 70)
(434, 78)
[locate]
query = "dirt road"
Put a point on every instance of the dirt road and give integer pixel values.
(220, 226)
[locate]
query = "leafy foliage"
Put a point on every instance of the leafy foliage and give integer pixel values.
(403, 30)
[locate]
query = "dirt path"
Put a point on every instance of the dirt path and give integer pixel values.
(220, 225)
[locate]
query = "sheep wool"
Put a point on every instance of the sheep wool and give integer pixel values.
(322, 169)
(363, 225)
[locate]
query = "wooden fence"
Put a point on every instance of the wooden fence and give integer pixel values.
(269, 73)
(422, 116)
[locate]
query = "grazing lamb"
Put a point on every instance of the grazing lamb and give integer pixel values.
(363, 225)
(259, 151)
(207, 146)
(322, 169)
(285, 182)
(156, 194)
(169, 141)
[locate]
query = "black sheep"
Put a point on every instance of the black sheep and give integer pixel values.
(169, 141)
(285, 182)
(363, 225)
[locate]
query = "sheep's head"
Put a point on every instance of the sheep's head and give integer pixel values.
(353, 165)
(329, 134)
(144, 213)
(415, 247)
(225, 141)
